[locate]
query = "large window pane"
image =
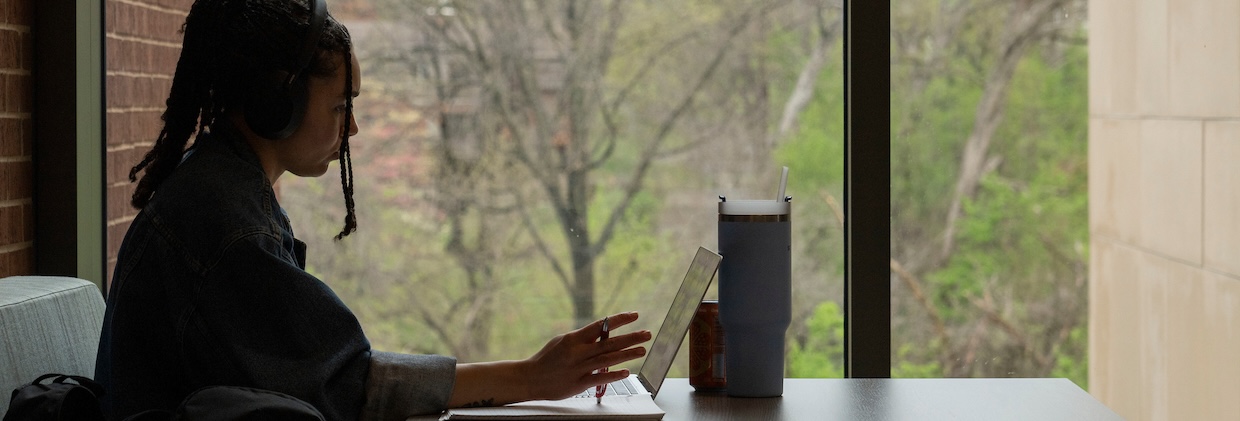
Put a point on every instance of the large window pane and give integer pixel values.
(988, 179)
(524, 167)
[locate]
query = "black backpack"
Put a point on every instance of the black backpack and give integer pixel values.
(235, 403)
(79, 401)
(58, 400)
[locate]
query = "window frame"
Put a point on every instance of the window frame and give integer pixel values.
(69, 169)
(867, 189)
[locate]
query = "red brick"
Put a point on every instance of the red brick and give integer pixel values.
(112, 47)
(10, 46)
(17, 180)
(118, 201)
(110, 272)
(133, 128)
(147, 23)
(182, 5)
(28, 220)
(132, 91)
(116, 235)
(11, 229)
(27, 137)
(17, 93)
(128, 55)
(164, 60)
(25, 86)
(17, 262)
(114, 87)
(10, 101)
(23, 12)
(10, 137)
(27, 62)
(8, 10)
(120, 161)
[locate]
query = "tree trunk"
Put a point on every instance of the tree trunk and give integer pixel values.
(1026, 22)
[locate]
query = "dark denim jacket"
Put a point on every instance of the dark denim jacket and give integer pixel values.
(210, 289)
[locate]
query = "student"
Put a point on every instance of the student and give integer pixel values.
(210, 287)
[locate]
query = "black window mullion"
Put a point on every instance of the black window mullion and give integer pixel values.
(867, 189)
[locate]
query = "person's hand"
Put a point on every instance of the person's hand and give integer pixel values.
(565, 366)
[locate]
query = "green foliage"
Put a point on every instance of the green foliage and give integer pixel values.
(1073, 363)
(816, 148)
(905, 367)
(821, 353)
(1022, 240)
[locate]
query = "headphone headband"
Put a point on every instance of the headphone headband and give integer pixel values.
(276, 110)
(318, 18)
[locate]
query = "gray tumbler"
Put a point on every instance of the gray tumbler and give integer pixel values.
(755, 293)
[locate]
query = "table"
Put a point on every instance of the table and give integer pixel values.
(892, 399)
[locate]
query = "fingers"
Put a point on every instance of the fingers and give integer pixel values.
(608, 377)
(591, 332)
(613, 358)
(616, 343)
(620, 319)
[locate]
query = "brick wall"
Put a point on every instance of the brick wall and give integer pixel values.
(16, 138)
(143, 42)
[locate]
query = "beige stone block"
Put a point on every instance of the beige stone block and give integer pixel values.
(1115, 329)
(1151, 52)
(1171, 190)
(1099, 320)
(1154, 276)
(1220, 346)
(1188, 372)
(1114, 179)
(1204, 57)
(1112, 58)
(1222, 196)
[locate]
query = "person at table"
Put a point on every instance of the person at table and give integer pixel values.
(210, 286)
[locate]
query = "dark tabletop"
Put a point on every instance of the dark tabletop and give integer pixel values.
(892, 399)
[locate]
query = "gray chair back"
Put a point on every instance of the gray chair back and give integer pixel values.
(48, 324)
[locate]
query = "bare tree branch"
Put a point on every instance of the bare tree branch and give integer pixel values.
(804, 90)
(1024, 24)
(541, 245)
(915, 286)
(665, 128)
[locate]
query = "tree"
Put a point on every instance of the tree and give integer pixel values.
(538, 81)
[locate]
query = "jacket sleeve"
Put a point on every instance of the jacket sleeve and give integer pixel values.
(400, 385)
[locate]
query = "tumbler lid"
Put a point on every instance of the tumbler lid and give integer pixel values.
(754, 207)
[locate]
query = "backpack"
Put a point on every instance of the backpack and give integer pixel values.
(79, 401)
(235, 403)
(57, 400)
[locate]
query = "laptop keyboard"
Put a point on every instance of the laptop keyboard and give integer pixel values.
(621, 387)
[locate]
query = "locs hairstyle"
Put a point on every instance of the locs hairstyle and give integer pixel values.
(228, 46)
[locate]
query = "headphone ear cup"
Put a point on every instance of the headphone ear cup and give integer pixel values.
(276, 113)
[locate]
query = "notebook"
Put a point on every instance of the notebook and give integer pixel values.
(632, 397)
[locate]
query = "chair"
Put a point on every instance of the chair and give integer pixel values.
(48, 324)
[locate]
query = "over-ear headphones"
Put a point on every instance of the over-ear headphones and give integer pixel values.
(276, 108)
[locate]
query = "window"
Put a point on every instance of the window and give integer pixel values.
(524, 168)
(989, 212)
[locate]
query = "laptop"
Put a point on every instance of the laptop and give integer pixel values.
(632, 397)
(671, 334)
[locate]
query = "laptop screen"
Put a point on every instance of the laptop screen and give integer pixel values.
(676, 324)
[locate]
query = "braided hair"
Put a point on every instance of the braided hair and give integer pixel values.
(228, 46)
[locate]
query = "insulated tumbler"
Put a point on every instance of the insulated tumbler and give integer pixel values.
(755, 293)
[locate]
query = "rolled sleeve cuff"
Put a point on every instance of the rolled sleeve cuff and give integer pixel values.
(402, 385)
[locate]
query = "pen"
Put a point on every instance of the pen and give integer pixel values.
(600, 389)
